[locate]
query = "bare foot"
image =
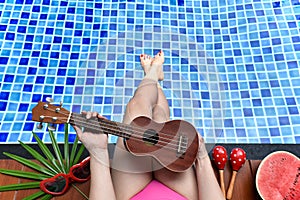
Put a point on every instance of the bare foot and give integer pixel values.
(157, 62)
(146, 61)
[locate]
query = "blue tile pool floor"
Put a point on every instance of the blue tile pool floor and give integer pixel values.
(231, 68)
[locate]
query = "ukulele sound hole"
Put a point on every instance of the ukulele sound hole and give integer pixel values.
(150, 137)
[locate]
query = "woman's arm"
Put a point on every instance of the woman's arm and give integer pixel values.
(101, 182)
(208, 186)
(96, 143)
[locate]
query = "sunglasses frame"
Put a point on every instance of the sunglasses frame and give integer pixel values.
(70, 178)
(74, 178)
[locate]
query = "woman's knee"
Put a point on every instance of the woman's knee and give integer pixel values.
(161, 114)
(136, 108)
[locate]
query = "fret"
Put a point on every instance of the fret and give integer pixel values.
(101, 126)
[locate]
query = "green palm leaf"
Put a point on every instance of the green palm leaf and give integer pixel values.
(39, 157)
(35, 195)
(73, 151)
(46, 151)
(80, 192)
(79, 153)
(57, 151)
(66, 148)
(20, 186)
(52, 164)
(30, 164)
(23, 174)
(46, 197)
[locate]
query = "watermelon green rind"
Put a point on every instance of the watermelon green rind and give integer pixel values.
(285, 183)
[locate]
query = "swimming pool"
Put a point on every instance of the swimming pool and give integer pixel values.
(232, 67)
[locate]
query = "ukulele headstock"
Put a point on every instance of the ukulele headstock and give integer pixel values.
(45, 112)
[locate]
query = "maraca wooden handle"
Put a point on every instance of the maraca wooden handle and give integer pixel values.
(220, 158)
(221, 172)
(230, 189)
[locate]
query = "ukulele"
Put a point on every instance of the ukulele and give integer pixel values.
(173, 144)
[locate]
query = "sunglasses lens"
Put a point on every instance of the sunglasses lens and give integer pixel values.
(83, 171)
(57, 185)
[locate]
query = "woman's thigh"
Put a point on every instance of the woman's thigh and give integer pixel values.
(130, 174)
(184, 183)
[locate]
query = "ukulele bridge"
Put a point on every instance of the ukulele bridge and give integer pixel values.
(182, 146)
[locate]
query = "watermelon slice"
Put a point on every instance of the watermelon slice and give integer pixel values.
(278, 177)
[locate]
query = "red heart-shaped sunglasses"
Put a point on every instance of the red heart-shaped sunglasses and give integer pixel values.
(59, 184)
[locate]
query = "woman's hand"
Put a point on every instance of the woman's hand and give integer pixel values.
(202, 152)
(92, 141)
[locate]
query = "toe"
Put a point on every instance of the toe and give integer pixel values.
(142, 57)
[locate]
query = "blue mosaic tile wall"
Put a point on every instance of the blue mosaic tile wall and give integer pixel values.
(232, 67)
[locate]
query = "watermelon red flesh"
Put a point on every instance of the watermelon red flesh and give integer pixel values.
(278, 177)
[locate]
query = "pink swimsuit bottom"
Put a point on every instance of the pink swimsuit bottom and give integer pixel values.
(157, 191)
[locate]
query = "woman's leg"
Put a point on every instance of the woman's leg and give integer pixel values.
(130, 173)
(161, 111)
(184, 183)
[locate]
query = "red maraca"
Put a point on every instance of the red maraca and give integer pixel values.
(237, 160)
(220, 158)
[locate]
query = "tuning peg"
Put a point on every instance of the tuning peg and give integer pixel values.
(51, 128)
(49, 100)
(60, 103)
(39, 126)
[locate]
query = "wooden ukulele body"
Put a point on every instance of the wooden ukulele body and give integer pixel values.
(174, 143)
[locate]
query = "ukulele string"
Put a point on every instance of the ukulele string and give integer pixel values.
(127, 128)
(134, 137)
(132, 134)
(119, 127)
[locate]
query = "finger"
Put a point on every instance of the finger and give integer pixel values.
(88, 115)
(78, 131)
(94, 114)
(201, 139)
(202, 152)
(100, 116)
(84, 114)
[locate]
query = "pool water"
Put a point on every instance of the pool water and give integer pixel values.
(231, 67)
